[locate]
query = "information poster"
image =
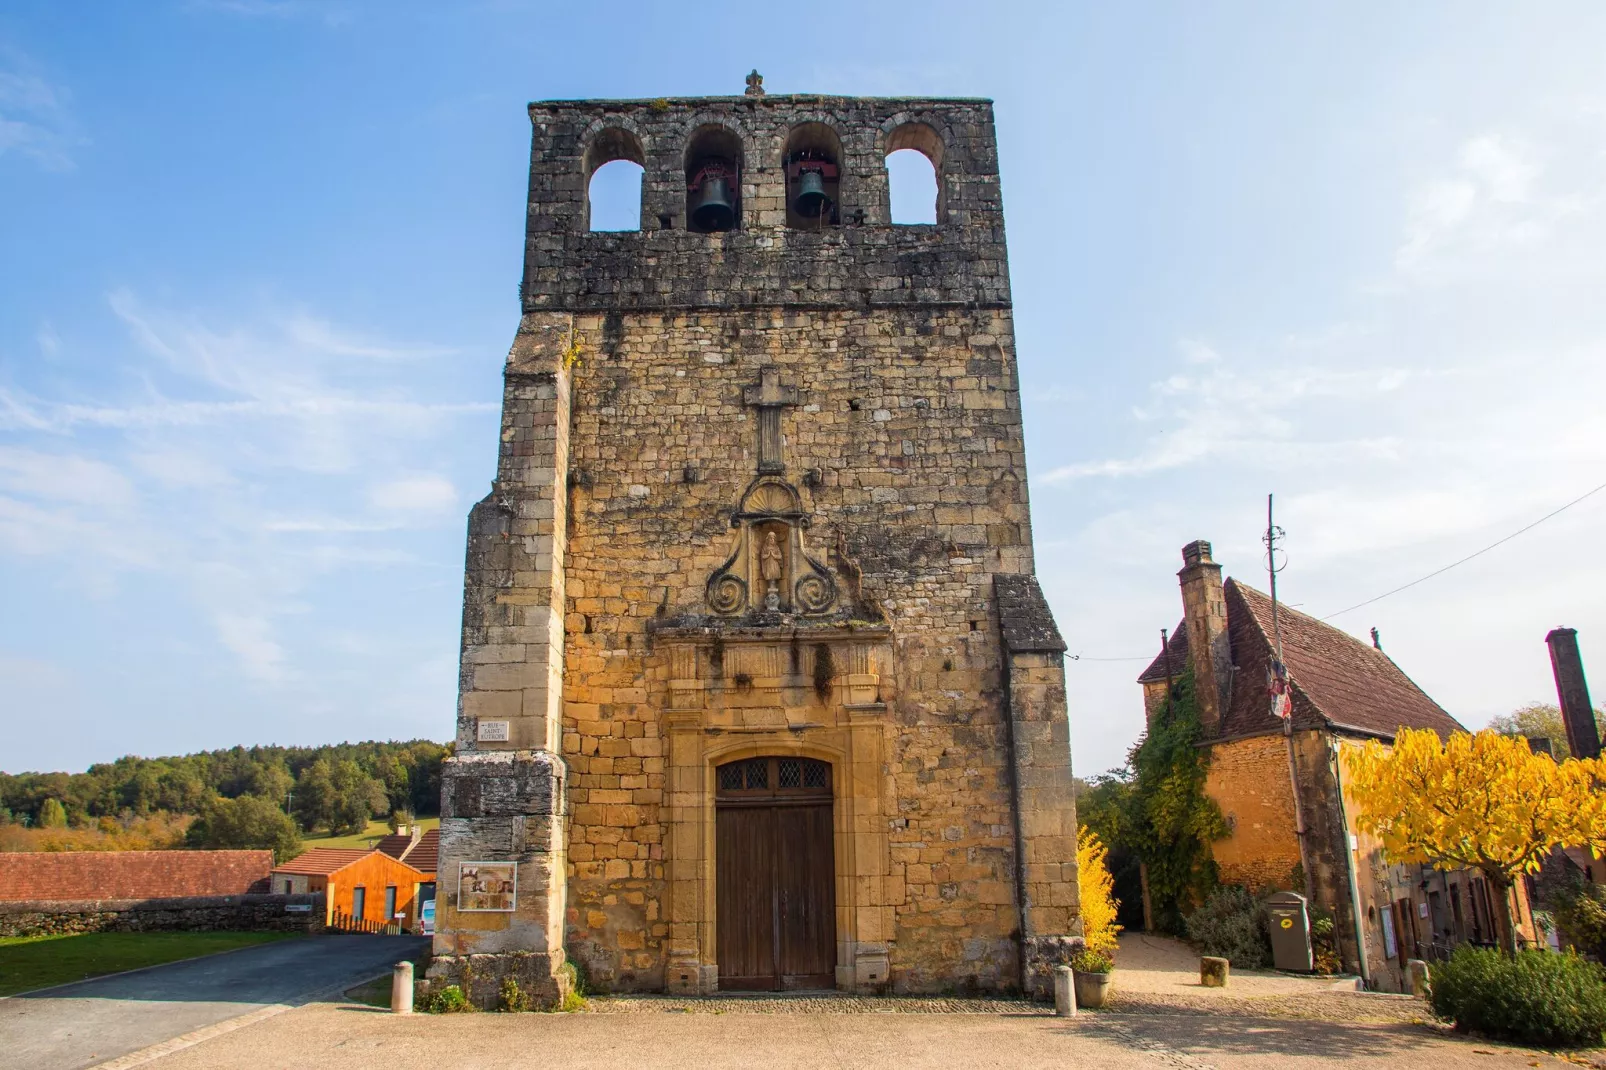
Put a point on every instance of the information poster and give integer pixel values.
(487, 886)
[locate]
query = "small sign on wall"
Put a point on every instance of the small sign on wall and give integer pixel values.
(487, 886)
(493, 732)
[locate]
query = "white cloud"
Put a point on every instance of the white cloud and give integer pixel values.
(251, 639)
(324, 337)
(48, 340)
(175, 468)
(424, 493)
(63, 477)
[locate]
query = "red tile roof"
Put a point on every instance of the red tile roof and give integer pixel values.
(1339, 681)
(426, 856)
(422, 854)
(322, 861)
(79, 875)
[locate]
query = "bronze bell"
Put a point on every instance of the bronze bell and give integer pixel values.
(711, 207)
(811, 199)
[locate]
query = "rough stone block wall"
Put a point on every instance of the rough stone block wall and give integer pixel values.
(244, 913)
(1248, 779)
(914, 433)
(1326, 837)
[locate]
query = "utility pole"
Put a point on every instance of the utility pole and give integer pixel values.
(1280, 690)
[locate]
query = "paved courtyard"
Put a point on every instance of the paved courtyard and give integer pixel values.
(346, 1037)
(240, 1010)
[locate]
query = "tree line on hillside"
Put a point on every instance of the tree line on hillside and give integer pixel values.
(241, 797)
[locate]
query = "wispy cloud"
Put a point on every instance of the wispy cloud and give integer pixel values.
(328, 12)
(35, 120)
(243, 462)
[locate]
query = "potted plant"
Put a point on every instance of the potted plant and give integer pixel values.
(1092, 971)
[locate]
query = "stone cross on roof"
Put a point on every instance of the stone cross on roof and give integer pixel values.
(769, 397)
(755, 84)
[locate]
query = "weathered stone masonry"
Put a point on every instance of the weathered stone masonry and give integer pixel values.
(760, 492)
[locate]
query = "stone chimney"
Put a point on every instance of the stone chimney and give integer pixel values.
(1577, 715)
(1204, 608)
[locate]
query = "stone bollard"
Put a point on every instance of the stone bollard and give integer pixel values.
(401, 988)
(1213, 972)
(1064, 993)
(1417, 972)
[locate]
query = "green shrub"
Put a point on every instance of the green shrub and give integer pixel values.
(1533, 997)
(449, 1000)
(514, 999)
(1088, 961)
(1324, 942)
(1231, 925)
(1579, 908)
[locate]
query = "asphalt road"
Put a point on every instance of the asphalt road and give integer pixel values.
(88, 1023)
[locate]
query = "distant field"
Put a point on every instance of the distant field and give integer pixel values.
(29, 962)
(367, 838)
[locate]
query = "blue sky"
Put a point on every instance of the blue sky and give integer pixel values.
(259, 264)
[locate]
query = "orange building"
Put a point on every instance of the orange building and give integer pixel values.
(359, 885)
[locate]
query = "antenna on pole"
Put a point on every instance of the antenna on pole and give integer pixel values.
(1273, 536)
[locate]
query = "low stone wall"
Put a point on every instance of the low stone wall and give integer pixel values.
(255, 913)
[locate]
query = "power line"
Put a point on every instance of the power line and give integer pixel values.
(1423, 579)
(1080, 657)
(1469, 557)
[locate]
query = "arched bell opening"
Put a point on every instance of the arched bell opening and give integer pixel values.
(914, 175)
(714, 180)
(614, 197)
(775, 874)
(813, 165)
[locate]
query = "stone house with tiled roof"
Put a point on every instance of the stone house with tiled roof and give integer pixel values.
(1291, 823)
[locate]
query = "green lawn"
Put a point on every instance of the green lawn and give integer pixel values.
(366, 838)
(28, 962)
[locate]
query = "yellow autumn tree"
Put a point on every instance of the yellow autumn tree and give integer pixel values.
(1097, 889)
(1482, 801)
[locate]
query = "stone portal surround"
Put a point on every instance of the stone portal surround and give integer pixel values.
(714, 721)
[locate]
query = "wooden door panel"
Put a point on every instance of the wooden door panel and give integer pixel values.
(745, 895)
(804, 866)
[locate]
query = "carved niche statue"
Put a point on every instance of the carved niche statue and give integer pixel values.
(769, 567)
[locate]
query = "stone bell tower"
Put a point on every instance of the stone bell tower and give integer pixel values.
(758, 688)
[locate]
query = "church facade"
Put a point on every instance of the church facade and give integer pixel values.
(758, 688)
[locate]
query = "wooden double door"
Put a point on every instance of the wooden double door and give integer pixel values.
(775, 889)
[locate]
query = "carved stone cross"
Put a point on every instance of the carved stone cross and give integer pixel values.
(769, 397)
